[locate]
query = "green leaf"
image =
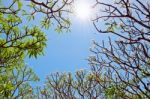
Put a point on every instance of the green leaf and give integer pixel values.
(58, 29)
(19, 4)
(46, 23)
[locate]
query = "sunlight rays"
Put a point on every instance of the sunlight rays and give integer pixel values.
(82, 10)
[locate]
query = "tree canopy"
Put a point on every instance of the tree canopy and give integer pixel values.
(18, 41)
(119, 68)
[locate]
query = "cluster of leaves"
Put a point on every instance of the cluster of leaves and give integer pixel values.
(66, 86)
(15, 82)
(15, 44)
(18, 41)
(53, 12)
(82, 85)
(126, 60)
(121, 70)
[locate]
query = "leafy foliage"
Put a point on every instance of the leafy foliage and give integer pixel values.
(67, 86)
(124, 60)
(120, 71)
(53, 11)
(119, 67)
(18, 41)
(15, 82)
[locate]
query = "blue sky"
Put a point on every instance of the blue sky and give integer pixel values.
(66, 52)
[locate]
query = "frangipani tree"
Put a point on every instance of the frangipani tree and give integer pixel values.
(16, 82)
(18, 41)
(125, 58)
(120, 67)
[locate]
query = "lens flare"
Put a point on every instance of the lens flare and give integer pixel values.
(82, 10)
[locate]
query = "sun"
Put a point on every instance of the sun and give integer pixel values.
(82, 10)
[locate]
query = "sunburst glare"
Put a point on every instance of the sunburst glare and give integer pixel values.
(82, 10)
